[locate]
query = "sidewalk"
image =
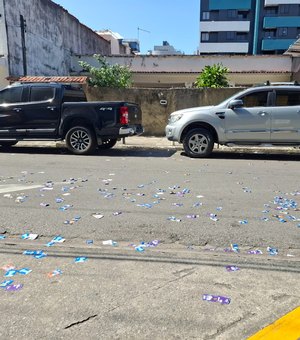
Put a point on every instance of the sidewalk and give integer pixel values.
(131, 142)
(164, 143)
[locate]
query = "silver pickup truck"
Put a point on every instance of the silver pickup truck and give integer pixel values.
(267, 114)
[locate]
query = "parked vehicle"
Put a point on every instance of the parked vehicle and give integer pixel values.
(268, 114)
(53, 112)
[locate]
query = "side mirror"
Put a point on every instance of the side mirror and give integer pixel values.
(235, 103)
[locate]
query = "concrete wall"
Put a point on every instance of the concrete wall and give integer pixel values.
(182, 71)
(3, 48)
(195, 63)
(52, 36)
(3, 72)
(184, 79)
(155, 115)
(296, 68)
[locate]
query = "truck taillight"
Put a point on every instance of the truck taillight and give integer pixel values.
(124, 115)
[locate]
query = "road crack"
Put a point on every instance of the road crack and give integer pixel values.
(81, 321)
(230, 325)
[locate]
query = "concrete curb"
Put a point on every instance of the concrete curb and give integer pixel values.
(164, 143)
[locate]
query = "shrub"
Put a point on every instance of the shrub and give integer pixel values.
(213, 76)
(107, 75)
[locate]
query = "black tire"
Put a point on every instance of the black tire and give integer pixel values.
(8, 144)
(81, 140)
(107, 143)
(198, 143)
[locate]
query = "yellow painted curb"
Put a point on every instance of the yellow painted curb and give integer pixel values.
(285, 328)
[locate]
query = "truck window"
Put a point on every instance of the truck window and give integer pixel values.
(73, 96)
(11, 95)
(287, 98)
(255, 99)
(41, 94)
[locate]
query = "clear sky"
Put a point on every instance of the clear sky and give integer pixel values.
(176, 21)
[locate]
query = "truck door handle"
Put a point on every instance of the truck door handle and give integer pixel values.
(17, 109)
(262, 113)
(51, 108)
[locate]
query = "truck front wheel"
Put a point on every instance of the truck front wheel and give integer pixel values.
(81, 140)
(198, 143)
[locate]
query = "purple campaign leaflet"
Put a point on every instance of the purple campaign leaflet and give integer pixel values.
(216, 298)
(14, 288)
(232, 268)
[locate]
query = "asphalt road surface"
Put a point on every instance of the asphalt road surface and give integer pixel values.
(196, 208)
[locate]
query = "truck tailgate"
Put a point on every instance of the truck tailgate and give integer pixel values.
(134, 114)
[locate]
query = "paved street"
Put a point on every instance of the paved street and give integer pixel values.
(195, 208)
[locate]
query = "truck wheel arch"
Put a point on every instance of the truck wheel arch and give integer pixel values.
(76, 122)
(202, 125)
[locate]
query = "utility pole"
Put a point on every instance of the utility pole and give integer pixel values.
(23, 30)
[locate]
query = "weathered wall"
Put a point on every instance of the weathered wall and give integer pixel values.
(296, 68)
(3, 48)
(155, 115)
(3, 72)
(52, 36)
(183, 70)
(195, 63)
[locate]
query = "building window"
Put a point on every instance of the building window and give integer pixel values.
(232, 13)
(205, 36)
(271, 11)
(242, 14)
(241, 36)
(284, 9)
(269, 34)
(282, 31)
(230, 35)
(205, 16)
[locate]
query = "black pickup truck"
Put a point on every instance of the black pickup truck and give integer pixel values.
(53, 112)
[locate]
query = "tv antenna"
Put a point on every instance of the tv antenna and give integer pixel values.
(141, 30)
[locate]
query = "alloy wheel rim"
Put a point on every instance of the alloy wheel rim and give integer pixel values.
(80, 140)
(198, 144)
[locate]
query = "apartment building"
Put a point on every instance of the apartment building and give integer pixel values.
(248, 26)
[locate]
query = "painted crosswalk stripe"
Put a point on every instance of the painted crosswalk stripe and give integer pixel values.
(287, 327)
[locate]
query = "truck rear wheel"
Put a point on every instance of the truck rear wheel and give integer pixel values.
(107, 143)
(81, 140)
(8, 144)
(198, 143)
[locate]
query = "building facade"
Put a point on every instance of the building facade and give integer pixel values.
(38, 37)
(119, 45)
(248, 26)
(165, 49)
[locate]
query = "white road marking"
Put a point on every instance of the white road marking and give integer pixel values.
(6, 188)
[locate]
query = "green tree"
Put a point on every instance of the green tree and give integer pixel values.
(213, 76)
(107, 75)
